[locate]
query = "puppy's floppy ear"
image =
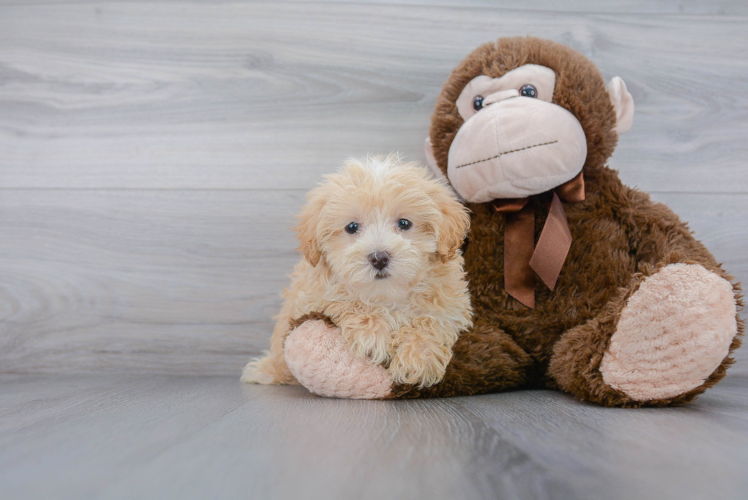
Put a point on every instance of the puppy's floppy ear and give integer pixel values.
(453, 226)
(306, 229)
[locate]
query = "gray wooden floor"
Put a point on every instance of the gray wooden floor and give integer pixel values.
(159, 437)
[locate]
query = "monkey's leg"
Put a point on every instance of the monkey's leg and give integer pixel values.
(323, 362)
(662, 341)
(485, 359)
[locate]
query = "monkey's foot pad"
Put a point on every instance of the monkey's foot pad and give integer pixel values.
(323, 362)
(673, 333)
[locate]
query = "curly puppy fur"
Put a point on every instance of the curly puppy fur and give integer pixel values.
(406, 316)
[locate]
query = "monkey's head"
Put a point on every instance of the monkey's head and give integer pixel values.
(522, 116)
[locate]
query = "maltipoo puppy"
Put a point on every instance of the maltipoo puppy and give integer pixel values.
(380, 241)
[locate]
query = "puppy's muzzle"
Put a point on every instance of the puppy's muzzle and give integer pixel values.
(379, 260)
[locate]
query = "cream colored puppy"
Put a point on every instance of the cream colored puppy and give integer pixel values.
(380, 241)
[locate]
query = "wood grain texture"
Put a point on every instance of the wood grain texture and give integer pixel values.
(172, 281)
(152, 153)
(267, 95)
(212, 437)
(715, 7)
(184, 281)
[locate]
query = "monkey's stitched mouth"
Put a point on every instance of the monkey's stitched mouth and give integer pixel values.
(506, 153)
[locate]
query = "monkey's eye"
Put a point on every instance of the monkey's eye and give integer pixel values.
(478, 103)
(528, 91)
(352, 228)
(404, 224)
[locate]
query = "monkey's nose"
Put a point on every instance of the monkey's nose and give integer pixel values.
(379, 260)
(499, 96)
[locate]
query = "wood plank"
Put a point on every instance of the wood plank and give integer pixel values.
(687, 452)
(195, 437)
(268, 95)
(151, 280)
(725, 7)
(722, 7)
(214, 437)
(82, 446)
(186, 282)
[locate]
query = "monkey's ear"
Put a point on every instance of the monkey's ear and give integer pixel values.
(623, 104)
(428, 150)
(306, 229)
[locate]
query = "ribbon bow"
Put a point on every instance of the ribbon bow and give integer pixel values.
(521, 260)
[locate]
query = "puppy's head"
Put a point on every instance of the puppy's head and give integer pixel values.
(379, 224)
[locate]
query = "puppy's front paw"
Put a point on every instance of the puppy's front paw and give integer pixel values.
(369, 338)
(419, 362)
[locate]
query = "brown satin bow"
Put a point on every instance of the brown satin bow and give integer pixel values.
(521, 260)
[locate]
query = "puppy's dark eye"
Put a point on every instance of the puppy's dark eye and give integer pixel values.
(352, 228)
(528, 91)
(404, 224)
(478, 103)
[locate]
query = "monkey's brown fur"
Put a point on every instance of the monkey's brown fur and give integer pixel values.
(623, 243)
(620, 237)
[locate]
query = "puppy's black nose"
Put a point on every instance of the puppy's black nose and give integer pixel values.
(379, 260)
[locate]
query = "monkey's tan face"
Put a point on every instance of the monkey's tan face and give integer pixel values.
(514, 142)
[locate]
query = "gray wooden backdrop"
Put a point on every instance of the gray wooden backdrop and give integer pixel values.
(152, 153)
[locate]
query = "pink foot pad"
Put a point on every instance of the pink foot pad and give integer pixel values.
(673, 333)
(322, 362)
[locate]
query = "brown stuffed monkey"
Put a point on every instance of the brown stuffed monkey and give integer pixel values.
(577, 282)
